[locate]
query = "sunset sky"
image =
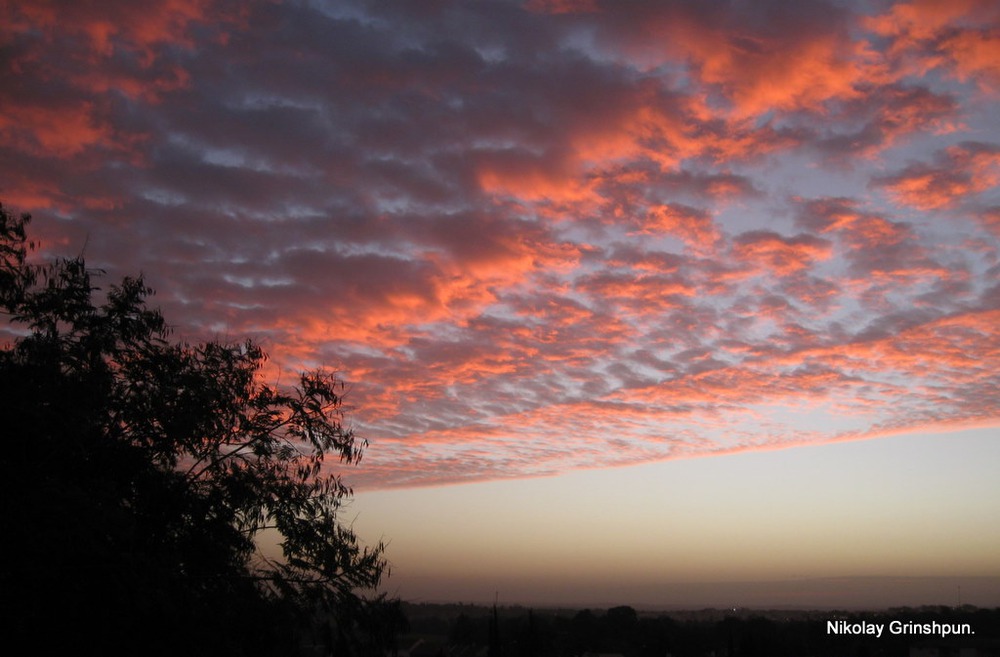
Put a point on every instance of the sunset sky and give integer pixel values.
(673, 303)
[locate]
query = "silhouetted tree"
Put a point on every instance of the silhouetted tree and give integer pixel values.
(136, 474)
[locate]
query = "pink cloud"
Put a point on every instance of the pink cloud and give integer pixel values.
(692, 226)
(958, 36)
(538, 236)
(779, 255)
(760, 59)
(957, 174)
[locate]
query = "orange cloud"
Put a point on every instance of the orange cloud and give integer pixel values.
(643, 124)
(111, 25)
(514, 225)
(694, 227)
(561, 6)
(957, 173)
(760, 61)
(861, 230)
(990, 218)
(763, 74)
(976, 54)
(535, 182)
(779, 255)
(941, 353)
(923, 19)
(62, 132)
(960, 36)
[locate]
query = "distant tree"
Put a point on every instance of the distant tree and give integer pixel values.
(464, 632)
(136, 473)
(587, 633)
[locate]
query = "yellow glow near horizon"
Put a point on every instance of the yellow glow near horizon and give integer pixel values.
(914, 506)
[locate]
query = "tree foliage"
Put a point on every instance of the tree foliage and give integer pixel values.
(137, 474)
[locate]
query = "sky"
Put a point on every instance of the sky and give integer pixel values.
(654, 302)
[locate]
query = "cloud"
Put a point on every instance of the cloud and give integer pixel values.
(761, 58)
(539, 236)
(777, 255)
(960, 37)
(955, 175)
(692, 226)
(884, 116)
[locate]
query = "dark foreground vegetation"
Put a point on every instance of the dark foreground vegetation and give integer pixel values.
(137, 472)
(466, 630)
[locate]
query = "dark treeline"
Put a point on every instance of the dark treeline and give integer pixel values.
(453, 630)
